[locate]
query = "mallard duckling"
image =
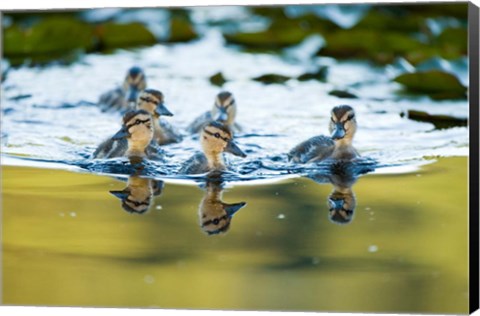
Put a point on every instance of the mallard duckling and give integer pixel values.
(137, 130)
(152, 101)
(137, 196)
(224, 110)
(215, 215)
(338, 146)
(215, 139)
(123, 98)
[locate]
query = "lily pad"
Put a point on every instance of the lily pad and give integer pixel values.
(342, 94)
(382, 47)
(218, 79)
(268, 39)
(320, 75)
(439, 121)
(436, 83)
(113, 35)
(272, 78)
(52, 35)
(181, 29)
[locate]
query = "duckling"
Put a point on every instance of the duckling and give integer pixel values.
(224, 110)
(152, 101)
(137, 196)
(123, 98)
(338, 146)
(215, 215)
(138, 132)
(215, 139)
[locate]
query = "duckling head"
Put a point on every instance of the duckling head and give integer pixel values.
(153, 102)
(342, 123)
(137, 129)
(225, 108)
(217, 138)
(134, 83)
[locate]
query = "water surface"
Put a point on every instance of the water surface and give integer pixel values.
(68, 241)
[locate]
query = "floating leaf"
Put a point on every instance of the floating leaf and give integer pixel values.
(52, 35)
(181, 29)
(320, 75)
(343, 94)
(381, 47)
(218, 79)
(268, 38)
(113, 35)
(272, 78)
(436, 83)
(439, 121)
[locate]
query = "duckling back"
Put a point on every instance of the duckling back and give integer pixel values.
(196, 164)
(314, 149)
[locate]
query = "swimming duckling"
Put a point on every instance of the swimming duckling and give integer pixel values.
(137, 130)
(224, 110)
(152, 101)
(215, 215)
(215, 139)
(339, 146)
(123, 98)
(137, 196)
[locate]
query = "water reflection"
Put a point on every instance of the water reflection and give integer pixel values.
(214, 215)
(137, 196)
(342, 201)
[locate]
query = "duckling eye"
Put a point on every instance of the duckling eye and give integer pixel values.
(350, 116)
(217, 135)
(137, 122)
(216, 221)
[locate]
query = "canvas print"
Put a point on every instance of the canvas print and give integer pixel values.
(281, 158)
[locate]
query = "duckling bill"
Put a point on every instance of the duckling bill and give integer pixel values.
(123, 98)
(339, 146)
(132, 140)
(215, 139)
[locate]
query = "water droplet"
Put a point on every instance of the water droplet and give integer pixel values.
(73, 214)
(281, 216)
(149, 279)
(158, 207)
(315, 260)
(61, 214)
(372, 248)
(367, 208)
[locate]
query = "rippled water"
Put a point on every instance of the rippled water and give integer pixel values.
(49, 113)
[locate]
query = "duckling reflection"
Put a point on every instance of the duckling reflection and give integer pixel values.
(224, 110)
(214, 215)
(342, 200)
(138, 194)
(123, 98)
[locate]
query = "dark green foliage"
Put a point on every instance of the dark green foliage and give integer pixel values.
(439, 121)
(436, 83)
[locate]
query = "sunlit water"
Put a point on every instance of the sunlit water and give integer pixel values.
(49, 113)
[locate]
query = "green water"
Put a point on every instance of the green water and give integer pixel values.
(68, 241)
